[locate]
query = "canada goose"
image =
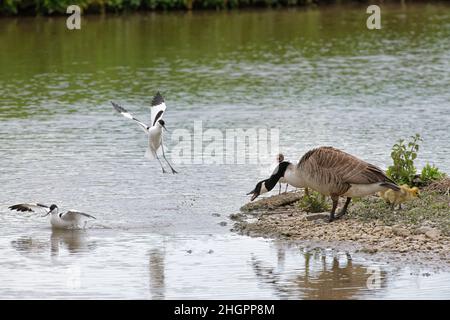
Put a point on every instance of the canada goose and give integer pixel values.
(63, 220)
(331, 172)
(154, 131)
(274, 168)
(398, 197)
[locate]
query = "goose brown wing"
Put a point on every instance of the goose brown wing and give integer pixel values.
(336, 166)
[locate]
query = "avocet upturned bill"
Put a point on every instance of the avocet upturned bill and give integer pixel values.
(154, 131)
(67, 220)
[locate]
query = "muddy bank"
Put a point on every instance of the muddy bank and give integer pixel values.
(422, 227)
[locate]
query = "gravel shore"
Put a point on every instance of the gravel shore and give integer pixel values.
(279, 217)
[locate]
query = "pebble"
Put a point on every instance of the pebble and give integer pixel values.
(433, 234)
(316, 216)
(422, 230)
(401, 231)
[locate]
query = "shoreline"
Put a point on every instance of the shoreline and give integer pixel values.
(93, 8)
(278, 217)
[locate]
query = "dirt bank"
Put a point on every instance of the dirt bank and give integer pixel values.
(422, 227)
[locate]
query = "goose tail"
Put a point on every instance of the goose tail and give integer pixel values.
(390, 185)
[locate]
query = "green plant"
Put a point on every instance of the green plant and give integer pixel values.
(9, 6)
(313, 202)
(431, 173)
(403, 155)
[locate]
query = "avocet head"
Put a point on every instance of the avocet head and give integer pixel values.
(280, 158)
(162, 124)
(53, 209)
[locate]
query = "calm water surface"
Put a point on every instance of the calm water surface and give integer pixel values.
(319, 76)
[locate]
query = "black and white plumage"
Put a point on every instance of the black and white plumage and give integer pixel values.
(64, 220)
(274, 168)
(154, 131)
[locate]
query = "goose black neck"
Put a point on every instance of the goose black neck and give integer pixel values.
(272, 181)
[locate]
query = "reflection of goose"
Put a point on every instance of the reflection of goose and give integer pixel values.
(331, 172)
(317, 280)
(156, 268)
(64, 220)
(333, 283)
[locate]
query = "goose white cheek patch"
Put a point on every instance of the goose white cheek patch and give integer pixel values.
(263, 189)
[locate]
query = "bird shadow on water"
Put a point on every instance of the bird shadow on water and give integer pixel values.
(72, 241)
(321, 277)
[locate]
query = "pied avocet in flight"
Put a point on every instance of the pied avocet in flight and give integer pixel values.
(154, 131)
(67, 220)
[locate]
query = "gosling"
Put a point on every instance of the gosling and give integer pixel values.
(398, 197)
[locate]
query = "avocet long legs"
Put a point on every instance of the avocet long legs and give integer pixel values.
(154, 131)
(164, 156)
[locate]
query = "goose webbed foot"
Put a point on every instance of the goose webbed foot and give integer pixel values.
(174, 171)
(340, 214)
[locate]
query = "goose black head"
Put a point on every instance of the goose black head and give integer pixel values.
(268, 184)
(259, 189)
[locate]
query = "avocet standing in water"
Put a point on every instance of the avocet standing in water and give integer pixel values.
(154, 131)
(67, 220)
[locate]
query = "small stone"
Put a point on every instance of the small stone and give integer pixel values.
(387, 229)
(369, 250)
(222, 223)
(401, 231)
(422, 230)
(216, 215)
(316, 216)
(433, 234)
(378, 229)
(235, 216)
